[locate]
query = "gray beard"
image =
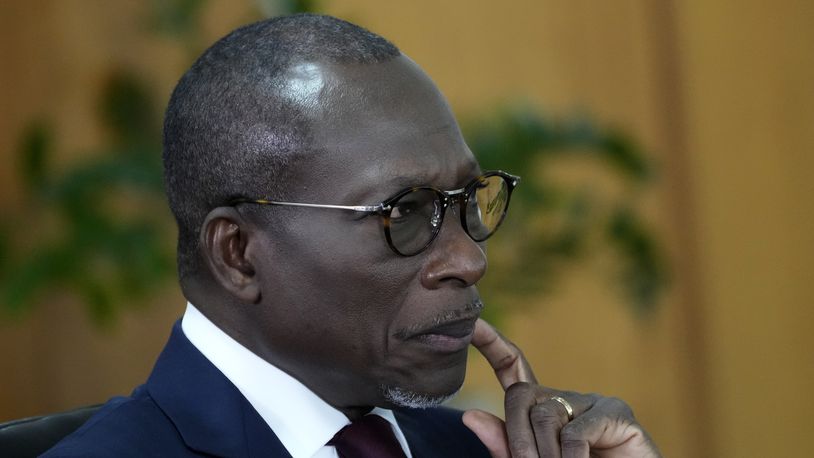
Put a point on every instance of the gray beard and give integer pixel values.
(413, 400)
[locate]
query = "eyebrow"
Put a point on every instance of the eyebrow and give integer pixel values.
(400, 182)
(394, 183)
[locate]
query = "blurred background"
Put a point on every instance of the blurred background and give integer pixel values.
(660, 248)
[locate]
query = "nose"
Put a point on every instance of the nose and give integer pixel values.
(454, 258)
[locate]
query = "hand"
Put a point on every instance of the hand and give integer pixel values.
(538, 426)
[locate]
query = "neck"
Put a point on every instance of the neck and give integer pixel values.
(354, 413)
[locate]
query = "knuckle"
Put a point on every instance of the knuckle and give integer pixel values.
(572, 444)
(511, 359)
(544, 415)
(515, 348)
(520, 392)
(570, 433)
(616, 407)
(521, 387)
(614, 401)
(621, 406)
(521, 448)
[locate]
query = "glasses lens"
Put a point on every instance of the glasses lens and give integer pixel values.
(414, 220)
(486, 206)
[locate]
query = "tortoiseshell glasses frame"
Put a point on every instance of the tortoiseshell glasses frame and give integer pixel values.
(412, 218)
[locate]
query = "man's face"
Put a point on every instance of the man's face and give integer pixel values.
(340, 311)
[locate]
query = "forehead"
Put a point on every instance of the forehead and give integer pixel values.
(384, 125)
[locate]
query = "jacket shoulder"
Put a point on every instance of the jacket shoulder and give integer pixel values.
(124, 426)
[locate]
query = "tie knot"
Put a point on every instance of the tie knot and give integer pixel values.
(368, 437)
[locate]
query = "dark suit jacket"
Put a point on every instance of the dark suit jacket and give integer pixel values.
(189, 408)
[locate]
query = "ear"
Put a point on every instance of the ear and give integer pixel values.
(226, 242)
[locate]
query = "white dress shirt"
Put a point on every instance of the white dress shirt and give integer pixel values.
(302, 421)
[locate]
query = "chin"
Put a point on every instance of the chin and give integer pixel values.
(424, 381)
(430, 392)
(401, 397)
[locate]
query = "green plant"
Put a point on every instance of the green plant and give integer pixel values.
(553, 224)
(100, 227)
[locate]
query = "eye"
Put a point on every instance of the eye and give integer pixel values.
(404, 209)
(419, 205)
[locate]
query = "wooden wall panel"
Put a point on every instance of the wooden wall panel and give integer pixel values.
(719, 91)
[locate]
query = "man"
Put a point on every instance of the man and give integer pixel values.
(331, 232)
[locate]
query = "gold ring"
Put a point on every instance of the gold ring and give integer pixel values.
(568, 409)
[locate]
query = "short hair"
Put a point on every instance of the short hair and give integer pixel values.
(228, 132)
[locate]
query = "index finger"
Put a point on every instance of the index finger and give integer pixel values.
(506, 359)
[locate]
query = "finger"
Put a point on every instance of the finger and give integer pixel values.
(520, 398)
(547, 420)
(577, 436)
(549, 417)
(506, 359)
(609, 426)
(490, 430)
(574, 444)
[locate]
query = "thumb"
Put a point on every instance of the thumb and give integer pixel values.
(490, 430)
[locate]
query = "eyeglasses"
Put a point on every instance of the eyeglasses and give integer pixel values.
(413, 217)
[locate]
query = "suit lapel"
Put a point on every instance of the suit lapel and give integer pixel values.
(438, 432)
(213, 417)
(418, 437)
(209, 412)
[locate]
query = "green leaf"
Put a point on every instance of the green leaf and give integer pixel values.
(35, 147)
(643, 272)
(622, 153)
(519, 140)
(301, 6)
(126, 109)
(176, 18)
(38, 272)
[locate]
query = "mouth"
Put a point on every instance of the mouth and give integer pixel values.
(449, 337)
(449, 333)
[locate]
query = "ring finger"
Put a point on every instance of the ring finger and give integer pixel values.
(551, 413)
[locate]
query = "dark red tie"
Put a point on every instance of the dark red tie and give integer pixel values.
(369, 437)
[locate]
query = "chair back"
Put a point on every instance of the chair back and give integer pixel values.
(31, 437)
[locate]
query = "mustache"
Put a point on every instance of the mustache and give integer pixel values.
(470, 312)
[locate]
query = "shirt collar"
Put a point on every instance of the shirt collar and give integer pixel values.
(302, 421)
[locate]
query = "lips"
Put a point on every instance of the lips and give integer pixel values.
(458, 329)
(451, 336)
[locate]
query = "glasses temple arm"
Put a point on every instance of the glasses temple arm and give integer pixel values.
(356, 208)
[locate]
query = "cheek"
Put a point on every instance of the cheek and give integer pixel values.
(341, 271)
(348, 258)
(347, 276)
